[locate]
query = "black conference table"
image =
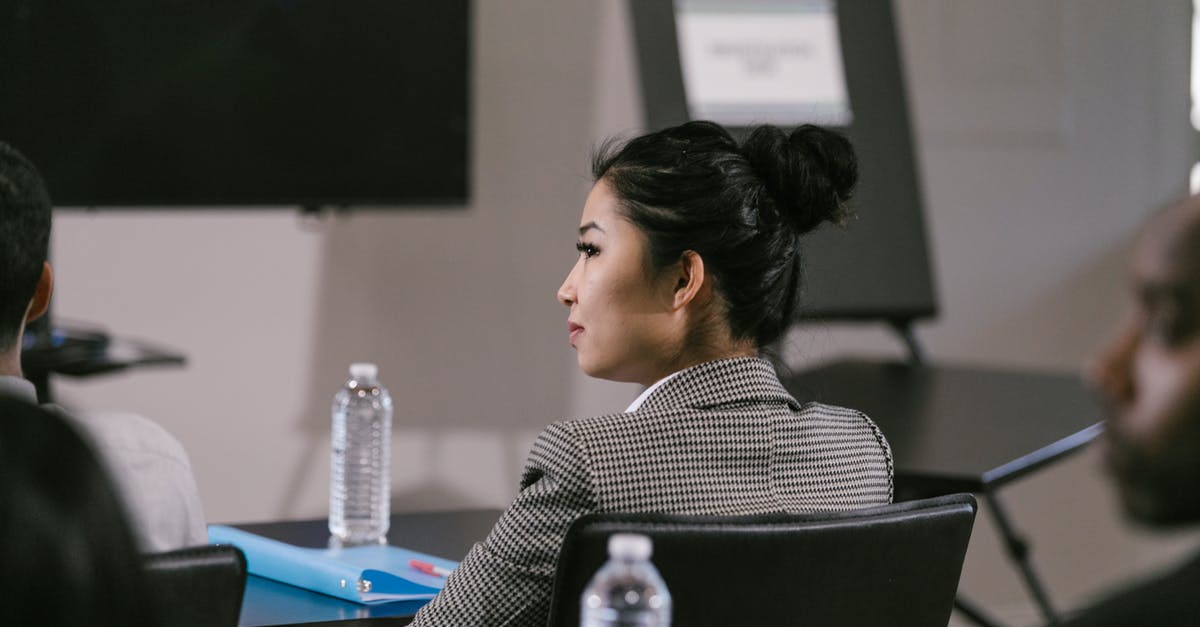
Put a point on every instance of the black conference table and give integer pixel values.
(267, 602)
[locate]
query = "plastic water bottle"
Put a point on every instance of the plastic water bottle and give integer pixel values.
(359, 475)
(627, 591)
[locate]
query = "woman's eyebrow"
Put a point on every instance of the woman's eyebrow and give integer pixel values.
(589, 226)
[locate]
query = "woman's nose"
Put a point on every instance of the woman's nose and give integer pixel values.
(566, 291)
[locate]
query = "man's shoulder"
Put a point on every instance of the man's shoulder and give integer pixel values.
(129, 432)
(153, 475)
(1166, 599)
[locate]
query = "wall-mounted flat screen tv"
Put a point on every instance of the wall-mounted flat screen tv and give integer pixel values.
(240, 102)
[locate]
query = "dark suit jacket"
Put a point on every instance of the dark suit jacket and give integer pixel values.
(1168, 600)
(721, 438)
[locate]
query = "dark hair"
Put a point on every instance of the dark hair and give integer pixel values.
(741, 208)
(24, 239)
(67, 553)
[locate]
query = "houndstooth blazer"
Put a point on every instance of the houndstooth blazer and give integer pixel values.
(720, 438)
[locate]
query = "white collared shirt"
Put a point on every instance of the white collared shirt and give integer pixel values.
(637, 402)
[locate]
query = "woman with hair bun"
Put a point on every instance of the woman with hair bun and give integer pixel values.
(689, 267)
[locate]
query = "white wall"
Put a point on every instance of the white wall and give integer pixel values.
(1047, 132)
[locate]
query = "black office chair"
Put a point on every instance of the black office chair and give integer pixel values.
(892, 565)
(201, 586)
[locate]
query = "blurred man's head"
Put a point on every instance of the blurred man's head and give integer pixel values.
(1150, 374)
(25, 278)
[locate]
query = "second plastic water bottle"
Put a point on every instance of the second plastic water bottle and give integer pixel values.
(627, 591)
(359, 476)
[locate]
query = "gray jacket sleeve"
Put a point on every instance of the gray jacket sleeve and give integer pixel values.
(507, 578)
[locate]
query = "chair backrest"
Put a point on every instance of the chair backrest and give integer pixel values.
(896, 564)
(200, 586)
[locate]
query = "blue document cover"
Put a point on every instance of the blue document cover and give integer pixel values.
(362, 574)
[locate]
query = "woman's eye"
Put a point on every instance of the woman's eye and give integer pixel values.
(588, 250)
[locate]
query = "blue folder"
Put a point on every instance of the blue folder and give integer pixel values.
(362, 574)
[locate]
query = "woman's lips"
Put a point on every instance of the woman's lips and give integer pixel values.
(573, 331)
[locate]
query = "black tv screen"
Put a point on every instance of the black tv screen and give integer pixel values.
(239, 102)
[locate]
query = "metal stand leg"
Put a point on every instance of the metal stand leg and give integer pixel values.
(1018, 552)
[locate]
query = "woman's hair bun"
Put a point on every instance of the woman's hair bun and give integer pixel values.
(810, 174)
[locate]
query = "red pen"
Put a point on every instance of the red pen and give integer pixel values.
(429, 569)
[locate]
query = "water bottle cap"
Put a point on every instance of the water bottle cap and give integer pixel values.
(629, 546)
(364, 371)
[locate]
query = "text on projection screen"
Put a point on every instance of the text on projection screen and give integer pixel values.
(763, 62)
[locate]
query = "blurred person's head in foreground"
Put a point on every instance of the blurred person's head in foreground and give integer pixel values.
(1150, 374)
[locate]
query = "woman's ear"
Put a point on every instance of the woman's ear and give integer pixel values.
(690, 279)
